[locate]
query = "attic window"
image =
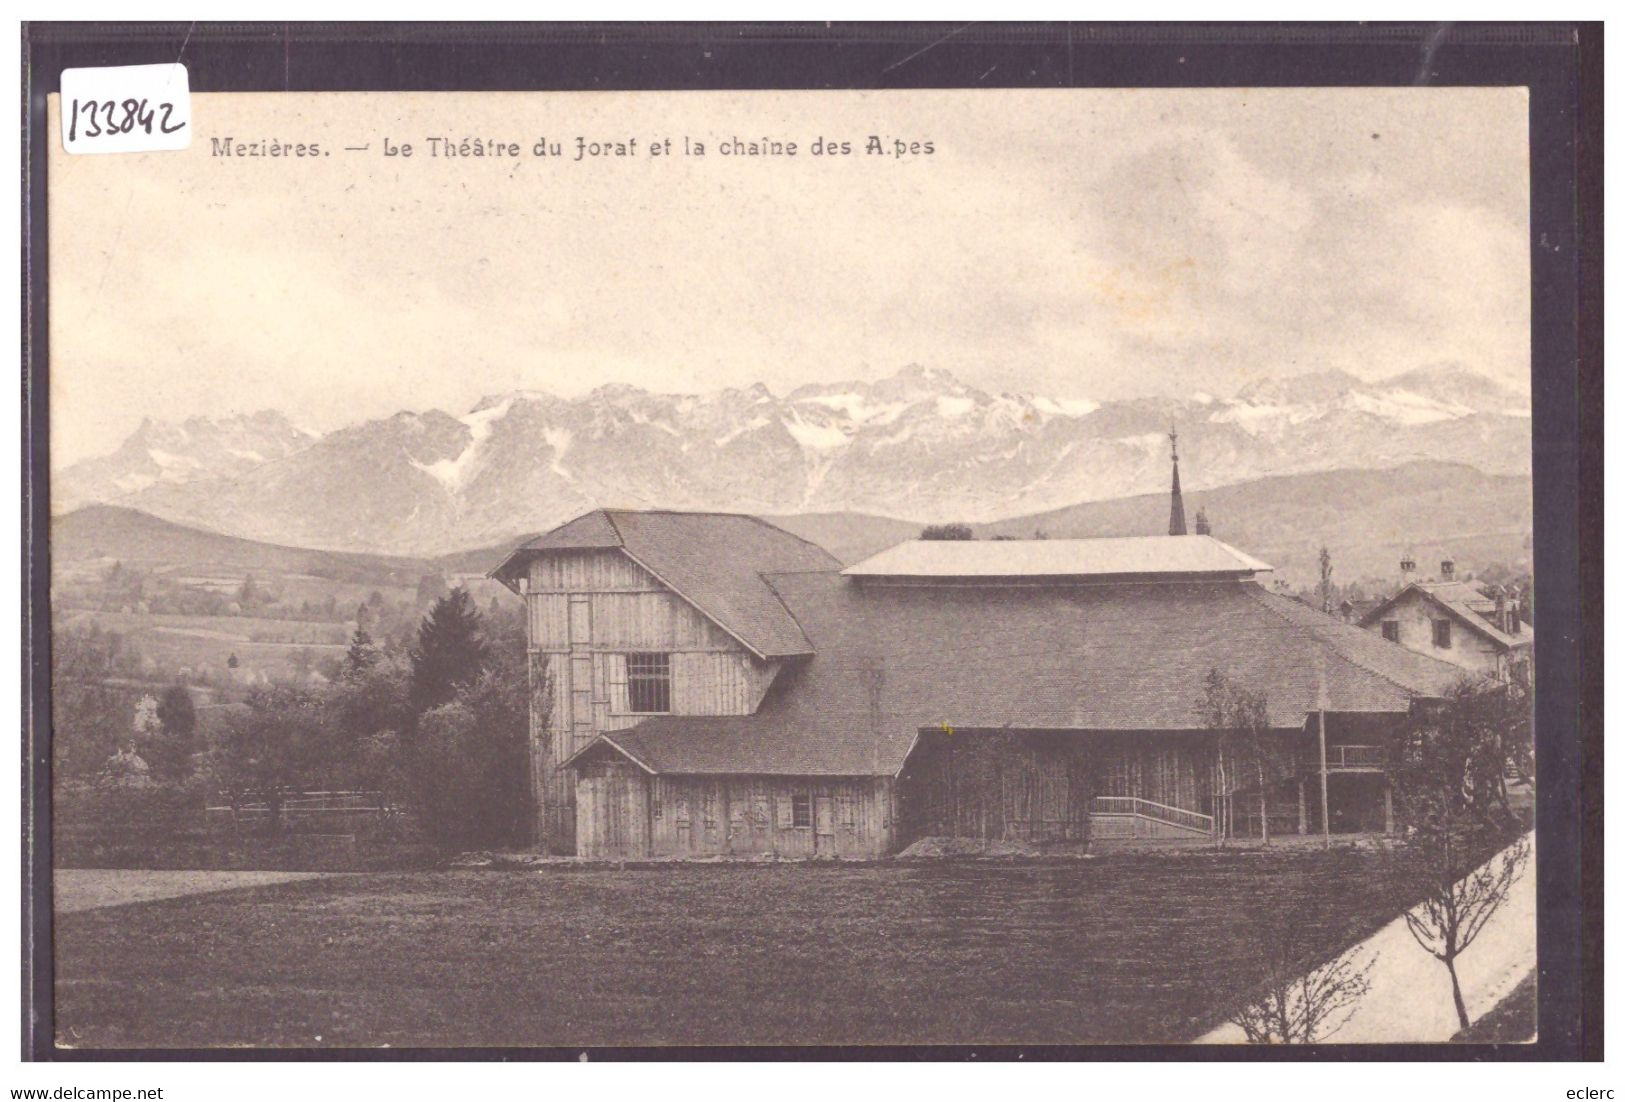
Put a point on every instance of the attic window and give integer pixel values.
(648, 682)
(1390, 630)
(1441, 634)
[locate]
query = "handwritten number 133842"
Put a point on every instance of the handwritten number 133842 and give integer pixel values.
(120, 117)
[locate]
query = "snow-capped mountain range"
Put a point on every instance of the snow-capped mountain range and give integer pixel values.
(173, 453)
(919, 445)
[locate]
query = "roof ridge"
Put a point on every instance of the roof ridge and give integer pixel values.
(1262, 598)
(785, 531)
(1470, 616)
(609, 518)
(790, 612)
(754, 518)
(683, 512)
(1387, 602)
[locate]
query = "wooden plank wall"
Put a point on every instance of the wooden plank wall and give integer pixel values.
(1175, 770)
(622, 812)
(692, 816)
(587, 611)
(1282, 805)
(703, 683)
(612, 810)
(997, 786)
(554, 812)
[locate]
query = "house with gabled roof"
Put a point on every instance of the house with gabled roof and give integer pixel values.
(1479, 628)
(715, 685)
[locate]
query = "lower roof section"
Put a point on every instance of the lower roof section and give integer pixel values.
(729, 750)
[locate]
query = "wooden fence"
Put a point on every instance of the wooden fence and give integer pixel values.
(314, 812)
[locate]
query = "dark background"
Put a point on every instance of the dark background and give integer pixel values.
(1560, 63)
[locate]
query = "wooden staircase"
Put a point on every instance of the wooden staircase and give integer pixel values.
(1128, 817)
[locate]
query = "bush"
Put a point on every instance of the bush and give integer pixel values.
(90, 821)
(469, 777)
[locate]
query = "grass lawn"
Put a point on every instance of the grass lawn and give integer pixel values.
(1122, 948)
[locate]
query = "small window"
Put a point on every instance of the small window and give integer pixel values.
(1441, 634)
(648, 682)
(801, 810)
(1390, 630)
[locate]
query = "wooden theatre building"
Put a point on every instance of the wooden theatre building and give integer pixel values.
(715, 685)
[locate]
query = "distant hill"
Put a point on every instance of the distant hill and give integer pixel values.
(850, 537)
(1366, 518)
(480, 560)
(135, 538)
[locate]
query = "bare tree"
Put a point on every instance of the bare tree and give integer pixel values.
(1241, 719)
(1297, 1005)
(1456, 908)
(1451, 795)
(1302, 996)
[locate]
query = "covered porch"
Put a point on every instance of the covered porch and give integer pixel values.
(1054, 787)
(1349, 787)
(1072, 786)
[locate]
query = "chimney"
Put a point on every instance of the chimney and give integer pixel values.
(1447, 570)
(1500, 596)
(1407, 569)
(1514, 610)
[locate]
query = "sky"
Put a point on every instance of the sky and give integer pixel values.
(1094, 244)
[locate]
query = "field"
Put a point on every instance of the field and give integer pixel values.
(1125, 948)
(229, 629)
(195, 648)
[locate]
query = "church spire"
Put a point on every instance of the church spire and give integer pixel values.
(1176, 508)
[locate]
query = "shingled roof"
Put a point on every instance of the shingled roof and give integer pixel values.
(715, 561)
(893, 660)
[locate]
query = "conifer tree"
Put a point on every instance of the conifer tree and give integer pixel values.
(363, 653)
(450, 651)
